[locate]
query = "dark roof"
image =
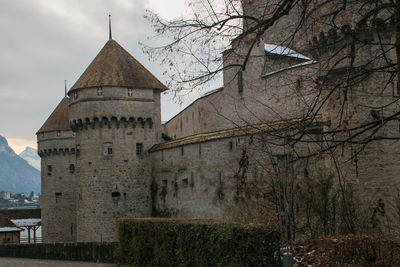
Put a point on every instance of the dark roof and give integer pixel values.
(59, 119)
(5, 222)
(7, 215)
(21, 214)
(114, 66)
(232, 132)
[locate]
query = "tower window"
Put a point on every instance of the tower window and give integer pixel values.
(139, 148)
(99, 91)
(71, 168)
(182, 152)
(107, 149)
(75, 95)
(129, 91)
(115, 194)
(49, 169)
(58, 195)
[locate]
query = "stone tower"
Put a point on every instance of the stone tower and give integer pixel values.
(56, 147)
(115, 112)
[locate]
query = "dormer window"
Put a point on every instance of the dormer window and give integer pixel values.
(75, 95)
(99, 91)
(129, 91)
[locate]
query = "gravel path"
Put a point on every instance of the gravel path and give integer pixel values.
(17, 262)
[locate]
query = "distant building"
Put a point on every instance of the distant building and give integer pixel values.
(20, 226)
(9, 232)
(5, 195)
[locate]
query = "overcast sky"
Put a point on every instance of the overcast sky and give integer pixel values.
(45, 42)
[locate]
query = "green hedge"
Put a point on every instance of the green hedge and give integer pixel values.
(181, 242)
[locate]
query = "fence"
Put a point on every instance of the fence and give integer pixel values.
(92, 252)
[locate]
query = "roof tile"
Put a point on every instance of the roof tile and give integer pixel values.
(59, 119)
(114, 66)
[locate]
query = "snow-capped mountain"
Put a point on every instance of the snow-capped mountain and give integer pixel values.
(16, 175)
(31, 156)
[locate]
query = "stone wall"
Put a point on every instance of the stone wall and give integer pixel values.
(57, 150)
(197, 177)
(113, 133)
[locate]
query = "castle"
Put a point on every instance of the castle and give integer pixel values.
(106, 155)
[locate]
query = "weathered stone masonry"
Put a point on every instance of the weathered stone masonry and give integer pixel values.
(105, 154)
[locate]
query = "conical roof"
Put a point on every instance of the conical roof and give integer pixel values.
(59, 119)
(114, 66)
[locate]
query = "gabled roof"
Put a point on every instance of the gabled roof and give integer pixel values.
(284, 51)
(59, 119)
(114, 66)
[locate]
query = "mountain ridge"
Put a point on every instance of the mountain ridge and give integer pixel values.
(31, 156)
(16, 174)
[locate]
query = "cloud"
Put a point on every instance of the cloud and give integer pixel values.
(19, 145)
(45, 42)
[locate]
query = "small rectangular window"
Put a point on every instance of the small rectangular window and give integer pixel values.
(71, 168)
(129, 91)
(75, 95)
(199, 149)
(185, 181)
(182, 152)
(99, 91)
(162, 155)
(115, 194)
(164, 183)
(396, 89)
(317, 134)
(282, 161)
(139, 149)
(230, 145)
(58, 195)
(49, 169)
(240, 81)
(107, 149)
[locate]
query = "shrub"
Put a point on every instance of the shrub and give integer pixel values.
(182, 242)
(350, 250)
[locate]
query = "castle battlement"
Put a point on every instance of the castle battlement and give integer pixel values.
(57, 151)
(378, 31)
(110, 122)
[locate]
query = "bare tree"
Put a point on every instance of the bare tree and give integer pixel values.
(335, 67)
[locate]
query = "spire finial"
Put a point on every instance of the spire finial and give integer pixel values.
(109, 27)
(65, 87)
